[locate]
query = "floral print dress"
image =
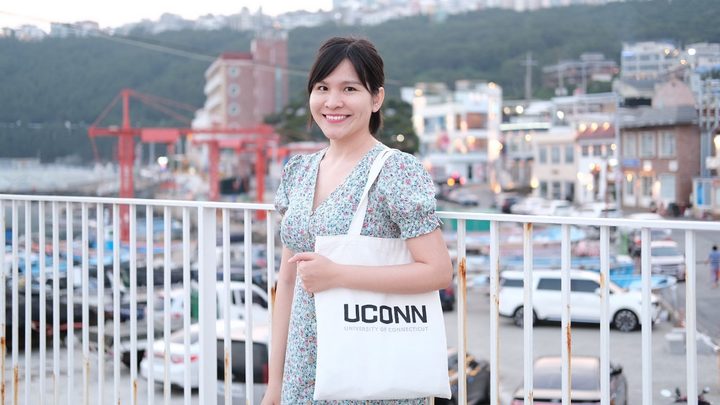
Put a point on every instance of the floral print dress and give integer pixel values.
(401, 204)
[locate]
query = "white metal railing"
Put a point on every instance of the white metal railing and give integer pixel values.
(99, 218)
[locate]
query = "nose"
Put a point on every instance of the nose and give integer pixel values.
(333, 100)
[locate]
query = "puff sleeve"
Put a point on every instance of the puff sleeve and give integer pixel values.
(409, 195)
(287, 181)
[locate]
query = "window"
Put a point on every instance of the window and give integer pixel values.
(555, 154)
(570, 191)
(667, 144)
(630, 185)
(597, 150)
(586, 150)
(629, 145)
(472, 120)
(646, 185)
(434, 124)
(569, 153)
(233, 71)
(667, 187)
(552, 284)
(543, 189)
(584, 286)
(647, 144)
(233, 109)
(511, 282)
(542, 150)
(556, 190)
(234, 90)
(476, 120)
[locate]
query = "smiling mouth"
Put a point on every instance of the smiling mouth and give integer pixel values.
(335, 118)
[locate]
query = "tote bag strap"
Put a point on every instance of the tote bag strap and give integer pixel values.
(359, 217)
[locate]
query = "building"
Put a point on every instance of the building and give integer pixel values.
(458, 130)
(648, 60)
(518, 153)
(578, 73)
(77, 29)
(660, 156)
(242, 88)
(703, 55)
(29, 33)
(541, 146)
(597, 164)
(554, 169)
(522, 124)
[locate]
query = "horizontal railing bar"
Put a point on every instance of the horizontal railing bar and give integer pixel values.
(515, 218)
(558, 220)
(140, 201)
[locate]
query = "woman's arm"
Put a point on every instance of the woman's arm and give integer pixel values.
(280, 326)
(431, 270)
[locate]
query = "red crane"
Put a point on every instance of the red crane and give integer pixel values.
(255, 139)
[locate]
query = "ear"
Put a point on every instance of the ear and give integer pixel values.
(378, 99)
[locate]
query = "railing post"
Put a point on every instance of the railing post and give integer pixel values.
(207, 267)
(691, 318)
(462, 310)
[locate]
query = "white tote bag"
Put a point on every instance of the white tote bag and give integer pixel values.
(373, 346)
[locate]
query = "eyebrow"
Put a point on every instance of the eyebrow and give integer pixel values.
(355, 82)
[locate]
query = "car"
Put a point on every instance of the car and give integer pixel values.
(553, 207)
(464, 197)
(527, 205)
(597, 210)
(176, 352)
(634, 244)
(625, 305)
(236, 306)
(633, 235)
(477, 376)
(506, 202)
(666, 258)
(585, 376)
(447, 297)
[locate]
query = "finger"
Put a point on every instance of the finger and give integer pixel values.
(301, 257)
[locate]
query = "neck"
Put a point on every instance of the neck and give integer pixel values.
(350, 148)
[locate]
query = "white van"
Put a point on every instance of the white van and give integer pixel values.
(625, 306)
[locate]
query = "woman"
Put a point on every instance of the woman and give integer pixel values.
(318, 195)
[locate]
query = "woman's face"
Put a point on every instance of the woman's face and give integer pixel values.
(341, 105)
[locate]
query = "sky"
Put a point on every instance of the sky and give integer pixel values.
(14, 13)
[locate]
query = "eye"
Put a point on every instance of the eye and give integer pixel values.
(320, 87)
(350, 89)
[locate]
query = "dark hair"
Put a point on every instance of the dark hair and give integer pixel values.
(365, 59)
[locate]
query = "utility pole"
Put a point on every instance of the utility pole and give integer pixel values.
(528, 63)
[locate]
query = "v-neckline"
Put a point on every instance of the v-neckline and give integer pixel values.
(314, 208)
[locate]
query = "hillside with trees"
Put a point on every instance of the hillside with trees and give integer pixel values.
(51, 90)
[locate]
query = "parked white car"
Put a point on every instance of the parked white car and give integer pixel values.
(176, 352)
(597, 210)
(235, 308)
(666, 258)
(625, 306)
(527, 205)
(553, 207)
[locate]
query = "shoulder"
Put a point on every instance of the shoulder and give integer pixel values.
(404, 173)
(299, 163)
(403, 161)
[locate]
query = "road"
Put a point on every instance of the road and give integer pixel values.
(668, 368)
(708, 298)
